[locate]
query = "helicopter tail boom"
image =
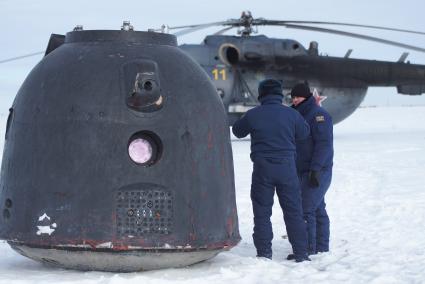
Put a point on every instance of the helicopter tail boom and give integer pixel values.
(408, 78)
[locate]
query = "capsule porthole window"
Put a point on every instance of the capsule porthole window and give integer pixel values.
(144, 148)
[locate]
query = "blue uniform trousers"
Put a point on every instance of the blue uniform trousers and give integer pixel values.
(278, 174)
(314, 208)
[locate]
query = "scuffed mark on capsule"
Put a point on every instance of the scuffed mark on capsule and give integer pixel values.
(46, 229)
(42, 217)
(210, 140)
(229, 226)
(105, 245)
(85, 246)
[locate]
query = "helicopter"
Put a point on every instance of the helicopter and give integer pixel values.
(236, 64)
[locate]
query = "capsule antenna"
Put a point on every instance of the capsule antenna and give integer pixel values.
(126, 26)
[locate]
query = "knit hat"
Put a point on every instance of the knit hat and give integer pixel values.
(268, 87)
(301, 90)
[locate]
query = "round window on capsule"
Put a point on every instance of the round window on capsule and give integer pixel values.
(144, 148)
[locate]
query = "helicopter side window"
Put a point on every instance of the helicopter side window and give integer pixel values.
(295, 46)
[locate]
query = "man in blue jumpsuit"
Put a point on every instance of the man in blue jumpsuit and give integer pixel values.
(274, 129)
(314, 165)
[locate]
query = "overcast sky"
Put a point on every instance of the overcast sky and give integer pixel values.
(26, 27)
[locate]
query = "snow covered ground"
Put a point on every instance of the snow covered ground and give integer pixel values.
(376, 204)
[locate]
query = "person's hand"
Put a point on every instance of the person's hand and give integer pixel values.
(313, 178)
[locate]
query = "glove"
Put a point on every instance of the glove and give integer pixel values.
(313, 178)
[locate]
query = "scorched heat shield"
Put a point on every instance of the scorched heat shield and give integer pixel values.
(117, 157)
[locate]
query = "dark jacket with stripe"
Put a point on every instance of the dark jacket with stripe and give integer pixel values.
(315, 153)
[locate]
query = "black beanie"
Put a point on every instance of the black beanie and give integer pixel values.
(301, 90)
(269, 86)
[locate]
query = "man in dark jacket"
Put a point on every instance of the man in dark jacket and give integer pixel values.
(314, 165)
(274, 128)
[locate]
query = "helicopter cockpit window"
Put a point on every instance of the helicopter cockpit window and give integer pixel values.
(295, 46)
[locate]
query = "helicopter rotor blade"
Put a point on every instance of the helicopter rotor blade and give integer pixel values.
(21, 57)
(354, 35)
(188, 28)
(277, 23)
(193, 28)
(199, 25)
(220, 32)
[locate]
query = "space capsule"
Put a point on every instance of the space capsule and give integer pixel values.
(117, 157)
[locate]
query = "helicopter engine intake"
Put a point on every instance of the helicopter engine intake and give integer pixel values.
(231, 55)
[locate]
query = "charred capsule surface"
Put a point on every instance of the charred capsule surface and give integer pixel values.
(117, 157)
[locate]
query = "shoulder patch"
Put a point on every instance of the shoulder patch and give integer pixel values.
(320, 118)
